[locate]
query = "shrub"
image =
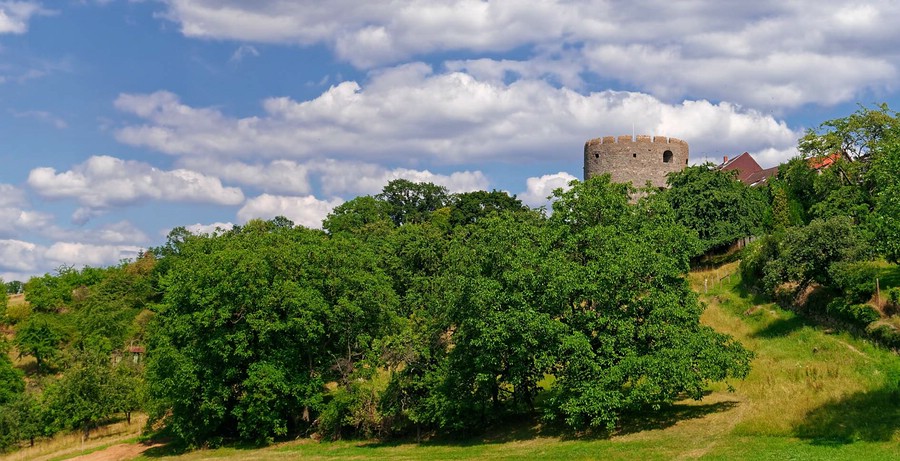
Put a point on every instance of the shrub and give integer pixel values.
(885, 333)
(855, 279)
(860, 314)
(18, 312)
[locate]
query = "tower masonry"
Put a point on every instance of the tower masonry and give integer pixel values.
(635, 159)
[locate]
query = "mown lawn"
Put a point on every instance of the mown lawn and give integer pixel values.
(812, 394)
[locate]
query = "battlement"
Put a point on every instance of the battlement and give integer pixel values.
(635, 159)
(641, 138)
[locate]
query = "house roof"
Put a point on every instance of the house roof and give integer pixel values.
(817, 163)
(744, 164)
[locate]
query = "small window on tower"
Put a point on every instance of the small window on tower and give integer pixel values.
(596, 155)
(634, 155)
(667, 156)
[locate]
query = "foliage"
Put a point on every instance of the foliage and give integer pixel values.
(716, 205)
(254, 323)
(411, 202)
(359, 215)
(858, 134)
(885, 220)
(4, 300)
(856, 280)
(803, 255)
(20, 419)
(86, 395)
(11, 383)
(634, 339)
(40, 337)
(860, 314)
(470, 207)
(14, 287)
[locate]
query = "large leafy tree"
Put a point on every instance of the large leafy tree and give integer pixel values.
(41, 337)
(87, 394)
(412, 202)
(634, 339)
(716, 205)
(254, 323)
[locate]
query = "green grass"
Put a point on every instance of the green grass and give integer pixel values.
(812, 394)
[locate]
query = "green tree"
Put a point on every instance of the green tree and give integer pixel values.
(716, 205)
(85, 396)
(412, 202)
(359, 216)
(634, 340)
(41, 337)
(4, 301)
(806, 254)
(885, 221)
(469, 207)
(11, 382)
(14, 287)
(20, 419)
(254, 322)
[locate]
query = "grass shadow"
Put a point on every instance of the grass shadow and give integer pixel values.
(529, 428)
(781, 327)
(866, 416)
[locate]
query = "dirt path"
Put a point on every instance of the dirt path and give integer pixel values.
(120, 452)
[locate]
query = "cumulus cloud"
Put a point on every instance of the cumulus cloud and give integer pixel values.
(17, 218)
(14, 16)
(42, 116)
(748, 53)
(102, 182)
(21, 259)
(307, 211)
(410, 113)
(538, 189)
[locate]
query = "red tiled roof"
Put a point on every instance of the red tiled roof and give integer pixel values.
(817, 163)
(744, 165)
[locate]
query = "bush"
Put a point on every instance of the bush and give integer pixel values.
(860, 314)
(855, 279)
(354, 410)
(885, 333)
(893, 296)
(17, 312)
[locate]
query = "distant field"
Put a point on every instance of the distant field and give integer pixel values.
(812, 394)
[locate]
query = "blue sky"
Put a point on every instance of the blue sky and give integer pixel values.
(120, 120)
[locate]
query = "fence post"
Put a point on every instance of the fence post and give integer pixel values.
(877, 293)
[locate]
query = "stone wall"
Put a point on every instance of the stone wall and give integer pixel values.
(636, 160)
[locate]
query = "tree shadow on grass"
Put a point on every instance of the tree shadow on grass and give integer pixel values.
(865, 416)
(522, 429)
(781, 327)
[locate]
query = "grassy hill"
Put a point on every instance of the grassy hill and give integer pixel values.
(812, 394)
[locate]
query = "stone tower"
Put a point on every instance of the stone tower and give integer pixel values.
(636, 160)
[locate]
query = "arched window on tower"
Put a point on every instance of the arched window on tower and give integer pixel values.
(667, 156)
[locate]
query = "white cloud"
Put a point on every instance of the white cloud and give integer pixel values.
(17, 218)
(539, 189)
(21, 259)
(14, 16)
(102, 182)
(278, 176)
(356, 178)
(79, 254)
(747, 53)
(408, 114)
(242, 52)
(307, 211)
(42, 116)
